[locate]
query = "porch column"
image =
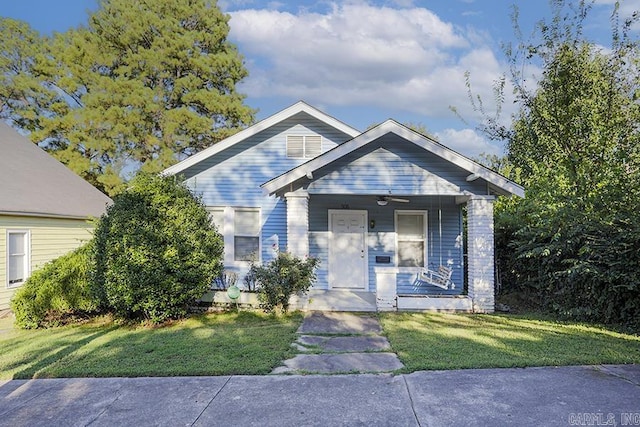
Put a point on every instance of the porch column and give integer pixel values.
(298, 222)
(480, 253)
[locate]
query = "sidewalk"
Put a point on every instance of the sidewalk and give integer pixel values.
(340, 343)
(575, 395)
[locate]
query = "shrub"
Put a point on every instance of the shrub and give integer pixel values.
(59, 288)
(156, 251)
(281, 278)
(225, 280)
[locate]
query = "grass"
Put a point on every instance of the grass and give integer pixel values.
(460, 341)
(213, 344)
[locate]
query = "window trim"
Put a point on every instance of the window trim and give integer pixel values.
(257, 211)
(27, 256)
(227, 230)
(304, 146)
(425, 220)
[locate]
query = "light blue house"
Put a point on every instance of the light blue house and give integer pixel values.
(381, 209)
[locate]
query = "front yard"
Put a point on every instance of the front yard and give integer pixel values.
(213, 344)
(249, 343)
(459, 341)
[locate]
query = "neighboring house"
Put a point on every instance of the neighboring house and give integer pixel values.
(376, 208)
(44, 209)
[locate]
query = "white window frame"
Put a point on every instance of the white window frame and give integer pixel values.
(424, 240)
(227, 230)
(27, 256)
(304, 146)
(259, 236)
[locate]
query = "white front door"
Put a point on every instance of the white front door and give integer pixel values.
(347, 249)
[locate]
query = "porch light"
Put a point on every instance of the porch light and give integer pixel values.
(382, 202)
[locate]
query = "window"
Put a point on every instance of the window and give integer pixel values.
(304, 146)
(240, 230)
(411, 238)
(17, 257)
(246, 241)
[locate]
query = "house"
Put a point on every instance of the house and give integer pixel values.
(377, 208)
(44, 209)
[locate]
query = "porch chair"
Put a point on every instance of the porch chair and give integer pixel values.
(440, 278)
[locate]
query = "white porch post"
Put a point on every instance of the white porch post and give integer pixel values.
(481, 253)
(298, 222)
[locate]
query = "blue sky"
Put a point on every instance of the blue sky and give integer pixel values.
(364, 61)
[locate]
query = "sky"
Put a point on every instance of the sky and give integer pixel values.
(365, 61)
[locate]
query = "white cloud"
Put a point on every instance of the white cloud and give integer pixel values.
(359, 54)
(468, 142)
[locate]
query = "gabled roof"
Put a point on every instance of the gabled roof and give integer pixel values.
(32, 183)
(497, 182)
(299, 107)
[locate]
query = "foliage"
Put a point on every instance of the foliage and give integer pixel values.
(244, 343)
(24, 73)
(250, 283)
(572, 244)
(156, 251)
(59, 288)
(225, 280)
(282, 277)
(143, 85)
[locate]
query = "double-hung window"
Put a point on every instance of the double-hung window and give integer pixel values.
(411, 232)
(246, 241)
(240, 229)
(17, 257)
(304, 146)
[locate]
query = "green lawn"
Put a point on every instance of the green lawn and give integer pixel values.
(214, 344)
(456, 341)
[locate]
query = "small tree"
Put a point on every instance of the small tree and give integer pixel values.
(283, 277)
(156, 251)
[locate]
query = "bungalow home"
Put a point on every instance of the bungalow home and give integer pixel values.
(381, 209)
(44, 209)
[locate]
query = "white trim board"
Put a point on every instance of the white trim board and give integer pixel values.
(391, 126)
(298, 107)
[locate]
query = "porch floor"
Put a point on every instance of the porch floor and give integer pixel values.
(338, 300)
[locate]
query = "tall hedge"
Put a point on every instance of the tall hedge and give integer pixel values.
(156, 251)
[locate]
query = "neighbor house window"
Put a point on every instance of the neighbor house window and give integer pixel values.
(246, 241)
(304, 146)
(17, 257)
(411, 238)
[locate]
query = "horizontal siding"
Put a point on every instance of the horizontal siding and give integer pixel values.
(50, 238)
(233, 177)
(442, 247)
(393, 165)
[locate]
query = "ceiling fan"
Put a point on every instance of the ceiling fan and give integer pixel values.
(383, 200)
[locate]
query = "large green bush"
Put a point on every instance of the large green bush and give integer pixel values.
(57, 289)
(156, 251)
(281, 278)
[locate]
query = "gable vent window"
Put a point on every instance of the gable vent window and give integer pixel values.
(304, 146)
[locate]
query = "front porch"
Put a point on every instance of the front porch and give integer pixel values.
(358, 301)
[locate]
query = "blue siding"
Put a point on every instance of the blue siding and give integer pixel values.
(445, 247)
(233, 176)
(393, 165)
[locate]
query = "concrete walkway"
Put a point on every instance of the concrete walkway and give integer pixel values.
(339, 342)
(577, 395)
